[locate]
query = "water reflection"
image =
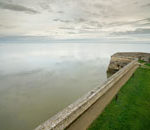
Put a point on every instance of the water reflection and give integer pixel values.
(38, 80)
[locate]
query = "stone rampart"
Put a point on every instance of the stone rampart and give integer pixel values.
(121, 59)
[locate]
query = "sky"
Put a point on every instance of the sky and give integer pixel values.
(99, 20)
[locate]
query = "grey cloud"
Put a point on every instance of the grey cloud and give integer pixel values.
(95, 24)
(146, 5)
(99, 6)
(105, 10)
(60, 12)
(88, 28)
(1, 25)
(80, 20)
(44, 6)
(137, 31)
(71, 32)
(135, 2)
(63, 21)
(16, 7)
(76, 16)
(146, 24)
(67, 28)
(7, 26)
(148, 19)
(135, 23)
(77, 20)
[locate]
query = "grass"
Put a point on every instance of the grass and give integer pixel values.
(141, 61)
(148, 64)
(132, 109)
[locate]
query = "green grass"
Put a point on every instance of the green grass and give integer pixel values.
(141, 61)
(148, 64)
(132, 109)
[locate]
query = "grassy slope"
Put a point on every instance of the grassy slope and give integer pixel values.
(132, 109)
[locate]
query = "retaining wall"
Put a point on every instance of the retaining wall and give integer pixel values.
(73, 116)
(121, 59)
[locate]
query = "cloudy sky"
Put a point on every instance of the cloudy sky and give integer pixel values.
(75, 19)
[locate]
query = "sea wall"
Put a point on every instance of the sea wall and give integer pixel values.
(121, 59)
(79, 114)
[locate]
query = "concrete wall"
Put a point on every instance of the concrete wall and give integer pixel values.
(121, 59)
(79, 114)
(133, 55)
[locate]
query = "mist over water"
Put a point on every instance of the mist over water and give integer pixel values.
(39, 80)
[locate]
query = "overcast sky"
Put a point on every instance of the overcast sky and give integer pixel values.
(75, 19)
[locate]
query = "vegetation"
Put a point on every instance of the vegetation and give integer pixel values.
(132, 109)
(148, 64)
(141, 61)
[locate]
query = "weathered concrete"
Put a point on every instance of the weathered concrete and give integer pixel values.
(119, 60)
(81, 113)
(133, 55)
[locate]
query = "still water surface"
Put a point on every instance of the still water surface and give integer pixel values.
(39, 80)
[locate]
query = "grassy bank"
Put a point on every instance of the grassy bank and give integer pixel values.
(131, 111)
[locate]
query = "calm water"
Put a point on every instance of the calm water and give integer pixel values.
(38, 80)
